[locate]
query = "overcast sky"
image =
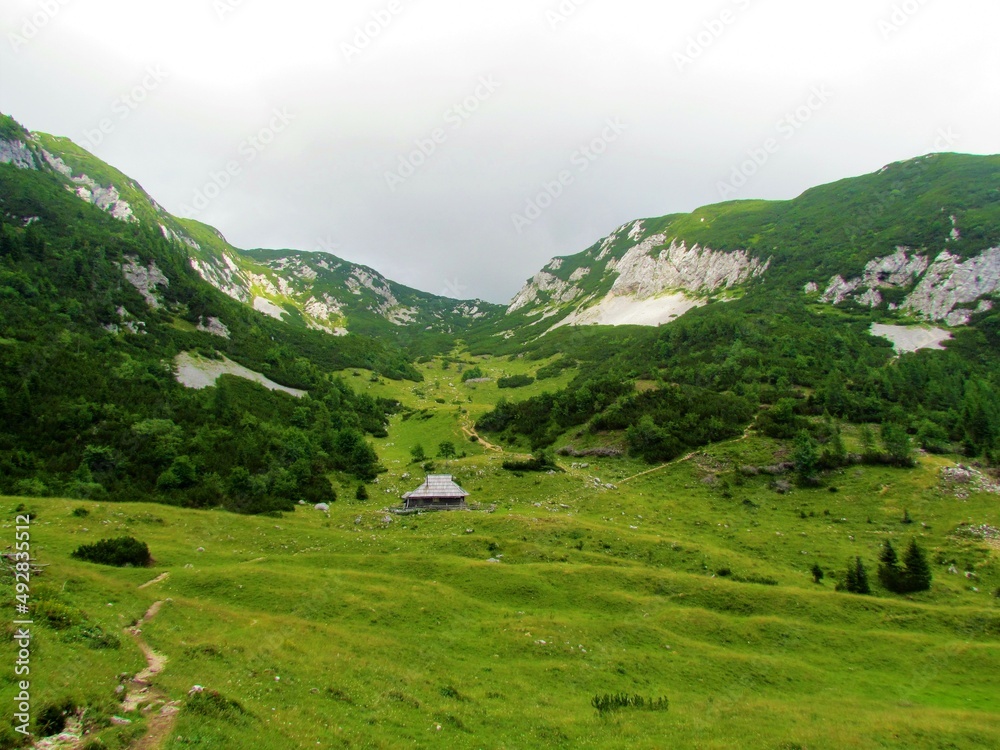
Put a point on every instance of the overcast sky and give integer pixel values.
(457, 146)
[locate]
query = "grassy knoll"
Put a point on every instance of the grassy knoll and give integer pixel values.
(359, 629)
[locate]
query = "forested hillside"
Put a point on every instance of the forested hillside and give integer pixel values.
(771, 362)
(93, 311)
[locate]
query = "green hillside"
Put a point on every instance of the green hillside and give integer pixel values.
(679, 536)
(360, 628)
(828, 230)
(89, 403)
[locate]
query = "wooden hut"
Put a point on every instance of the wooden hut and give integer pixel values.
(438, 492)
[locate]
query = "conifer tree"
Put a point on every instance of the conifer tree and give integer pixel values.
(856, 580)
(861, 578)
(916, 574)
(851, 579)
(889, 574)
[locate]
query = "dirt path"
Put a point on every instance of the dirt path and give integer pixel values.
(141, 695)
(470, 431)
(688, 457)
(156, 580)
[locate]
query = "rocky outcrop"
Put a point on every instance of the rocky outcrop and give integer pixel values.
(654, 282)
(105, 198)
(260, 304)
(177, 236)
(950, 283)
(389, 308)
(145, 279)
(17, 153)
(898, 270)
(949, 290)
(470, 310)
(215, 327)
(544, 288)
(643, 274)
(225, 276)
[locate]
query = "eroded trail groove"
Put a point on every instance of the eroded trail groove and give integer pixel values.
(470, 431)
(142, 696)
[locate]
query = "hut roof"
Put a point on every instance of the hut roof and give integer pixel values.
(437, 486)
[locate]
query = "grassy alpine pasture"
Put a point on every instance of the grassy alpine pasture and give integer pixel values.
(496, 628)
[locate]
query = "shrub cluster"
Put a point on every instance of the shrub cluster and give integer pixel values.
(124, 551)
(515, 381)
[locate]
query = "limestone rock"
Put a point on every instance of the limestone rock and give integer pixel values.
(18, 154)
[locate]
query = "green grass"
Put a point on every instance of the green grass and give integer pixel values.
(383, 630)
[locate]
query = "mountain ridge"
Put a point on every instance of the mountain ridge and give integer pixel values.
(651, 271)
(364, 300)
(842, 237)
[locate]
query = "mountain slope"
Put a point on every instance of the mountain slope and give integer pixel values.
(306, 290)
(920, 237)
(98, 310)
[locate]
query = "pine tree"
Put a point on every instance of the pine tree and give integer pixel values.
(889, 574)
(916, 574)
(861, 578)
(856, 580)
(851, 579)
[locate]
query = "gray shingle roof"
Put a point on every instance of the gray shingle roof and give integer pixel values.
(437, 486)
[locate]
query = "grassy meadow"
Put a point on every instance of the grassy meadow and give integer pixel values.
(496, 628)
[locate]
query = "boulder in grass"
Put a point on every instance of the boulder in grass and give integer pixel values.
(323, 507)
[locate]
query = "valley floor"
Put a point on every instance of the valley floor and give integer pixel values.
(496, 628)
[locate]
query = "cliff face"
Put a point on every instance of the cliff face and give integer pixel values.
(950, 285)
(633, 278)
(948, 289)
(643, 273)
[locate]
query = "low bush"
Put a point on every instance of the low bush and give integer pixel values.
(125, 551)
(52, 717)
(214, 704)
(515, 381)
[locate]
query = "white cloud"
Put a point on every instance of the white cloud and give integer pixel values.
(324, 175)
